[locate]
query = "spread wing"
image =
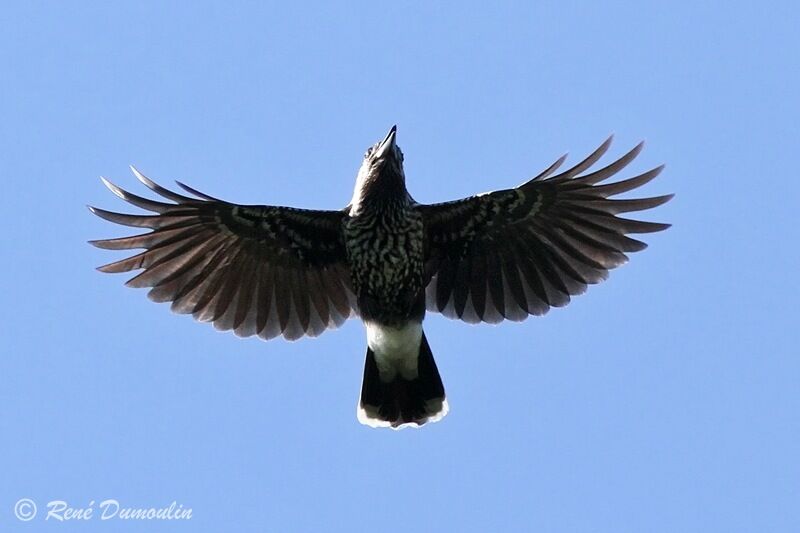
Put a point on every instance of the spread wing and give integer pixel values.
(518, 252)
(258, 270)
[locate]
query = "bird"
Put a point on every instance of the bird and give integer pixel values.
(387, 259)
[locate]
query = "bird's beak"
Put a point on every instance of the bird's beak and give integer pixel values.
(387, 145)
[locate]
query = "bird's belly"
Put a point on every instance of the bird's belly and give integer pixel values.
(387, 278)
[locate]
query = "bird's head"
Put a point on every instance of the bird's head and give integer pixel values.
(381, 172)
(384, 157)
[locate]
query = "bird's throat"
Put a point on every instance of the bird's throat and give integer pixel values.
(378, 191)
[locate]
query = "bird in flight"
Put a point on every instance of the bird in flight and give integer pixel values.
(271, 270)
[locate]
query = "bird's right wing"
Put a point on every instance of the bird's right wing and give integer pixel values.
(517, 252)
(258, 270)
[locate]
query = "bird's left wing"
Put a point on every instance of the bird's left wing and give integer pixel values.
(258, 270)
(517, 252)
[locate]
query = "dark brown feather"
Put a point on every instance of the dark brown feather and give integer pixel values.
(521, 251)
(254, 269)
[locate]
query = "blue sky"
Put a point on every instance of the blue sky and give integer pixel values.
(665, 399)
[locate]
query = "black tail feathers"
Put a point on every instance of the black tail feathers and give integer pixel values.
(402, 402)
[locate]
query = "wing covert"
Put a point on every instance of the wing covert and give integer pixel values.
(258, 270)
(517, 252)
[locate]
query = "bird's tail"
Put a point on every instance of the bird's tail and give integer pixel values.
(389, 399)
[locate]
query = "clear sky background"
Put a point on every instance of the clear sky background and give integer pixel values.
(664, 400)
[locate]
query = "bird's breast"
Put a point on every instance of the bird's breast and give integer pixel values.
(385, 252)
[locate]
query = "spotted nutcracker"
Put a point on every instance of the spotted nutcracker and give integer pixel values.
(269, 270)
